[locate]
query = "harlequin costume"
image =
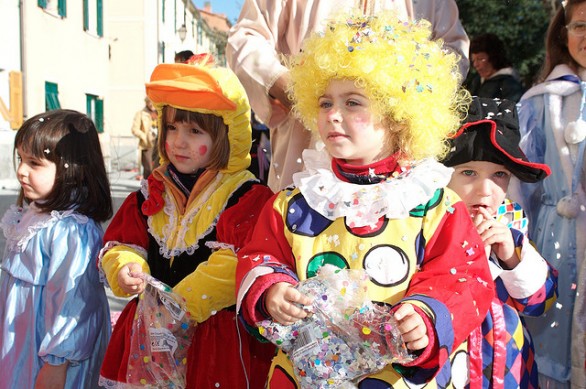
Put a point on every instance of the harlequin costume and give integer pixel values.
(189, 240)
(410, 234)
(501, 350)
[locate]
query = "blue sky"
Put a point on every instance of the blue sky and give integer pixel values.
(231, 8)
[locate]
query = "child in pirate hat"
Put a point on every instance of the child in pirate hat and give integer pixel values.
(485, 154)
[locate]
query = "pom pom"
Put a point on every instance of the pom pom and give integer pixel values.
(568, 206)
(575, 132)
(154, 203)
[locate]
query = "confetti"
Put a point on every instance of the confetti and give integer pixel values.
(345, 337)
(162, 335)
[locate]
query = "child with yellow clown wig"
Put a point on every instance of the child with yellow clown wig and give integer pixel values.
(383, 98)
(412, 82)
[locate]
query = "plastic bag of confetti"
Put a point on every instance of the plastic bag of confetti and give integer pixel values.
(161, 335)
(344, 338)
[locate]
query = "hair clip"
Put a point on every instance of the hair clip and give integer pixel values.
(47, 151)
(66, 165)
(41, 119)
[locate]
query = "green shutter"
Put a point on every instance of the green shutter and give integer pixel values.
(100, 115)
(95, 111)
(62, 8)
(100, 21)
(86, 15)
(42, 3)
(51, 96)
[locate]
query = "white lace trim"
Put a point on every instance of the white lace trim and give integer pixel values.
(364, 205)
(170, 209)
(219, 246)
(109, 384)
(21, 224)
(144, 188)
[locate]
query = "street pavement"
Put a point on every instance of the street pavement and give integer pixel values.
(121, 183)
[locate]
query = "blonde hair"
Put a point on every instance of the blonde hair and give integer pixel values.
(412, 82)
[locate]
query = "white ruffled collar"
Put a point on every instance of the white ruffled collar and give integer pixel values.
(364, 205)
(21, 224)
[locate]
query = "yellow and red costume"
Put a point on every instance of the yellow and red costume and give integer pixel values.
(189, 242)
(412, 236)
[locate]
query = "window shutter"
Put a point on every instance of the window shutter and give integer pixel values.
(86, 15)
(62, 8)
(51, 96)
(100, 21)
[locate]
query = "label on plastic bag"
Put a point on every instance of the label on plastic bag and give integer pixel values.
(306, 343)
(162, 340)
(173, 307)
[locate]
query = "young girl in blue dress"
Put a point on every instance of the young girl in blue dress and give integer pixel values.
(55, 318)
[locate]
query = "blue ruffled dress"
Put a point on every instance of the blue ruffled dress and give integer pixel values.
(53, 307)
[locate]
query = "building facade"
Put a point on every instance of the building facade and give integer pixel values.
(92, 56)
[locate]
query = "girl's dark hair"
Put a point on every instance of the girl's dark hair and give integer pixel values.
(70, 140)
(493, 47)
(212, 124)
(556, 41)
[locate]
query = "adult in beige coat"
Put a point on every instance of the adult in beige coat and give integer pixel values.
(268, 31)
(144, 127)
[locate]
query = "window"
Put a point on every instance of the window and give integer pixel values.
(58, 7)
(51, 96)
(95, 110)
(199, 34)
(93, 17)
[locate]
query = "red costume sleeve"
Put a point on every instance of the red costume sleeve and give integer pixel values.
(128, 225)
(268, 239)
(453, 286)
(236, 223)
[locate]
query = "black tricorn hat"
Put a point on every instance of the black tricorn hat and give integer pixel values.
(490, 133)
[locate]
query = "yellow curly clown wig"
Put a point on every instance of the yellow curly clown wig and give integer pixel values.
(412, 82)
